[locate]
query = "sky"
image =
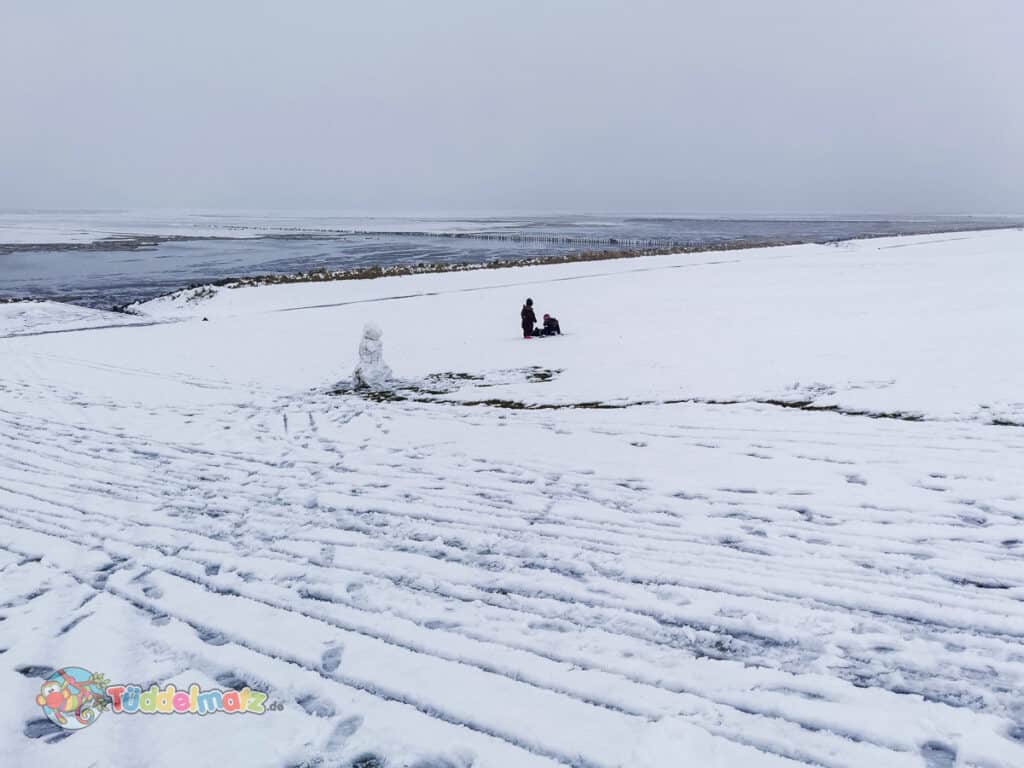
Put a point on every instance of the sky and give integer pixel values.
(735, 107)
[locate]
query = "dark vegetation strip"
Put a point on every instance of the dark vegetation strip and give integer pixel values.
(413, 395)
(398, 270)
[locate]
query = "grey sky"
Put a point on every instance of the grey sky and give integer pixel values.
(892, 106)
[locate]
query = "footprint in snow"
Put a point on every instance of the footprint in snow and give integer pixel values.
(938, 755)
(313, 762)
(315, 706)
(331, 658)
(436, 762)
(327, 555)
(45, 729)
(342, 732)
(211, 636)
(35, 670)
(236, 682)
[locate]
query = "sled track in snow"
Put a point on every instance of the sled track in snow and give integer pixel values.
(518, 558)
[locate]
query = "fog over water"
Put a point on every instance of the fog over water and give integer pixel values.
(731, 108)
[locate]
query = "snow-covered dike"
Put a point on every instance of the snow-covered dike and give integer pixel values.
(926, 326)
(754, 508)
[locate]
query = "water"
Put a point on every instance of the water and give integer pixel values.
(106, 259)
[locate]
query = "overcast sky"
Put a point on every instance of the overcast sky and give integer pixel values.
(768, 106)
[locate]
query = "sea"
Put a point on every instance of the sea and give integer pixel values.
(109, 259)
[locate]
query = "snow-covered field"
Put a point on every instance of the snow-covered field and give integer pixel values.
(755, 508)
(35, 318)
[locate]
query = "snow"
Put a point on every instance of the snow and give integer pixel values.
(637, 544)
(31, 318)
(922, 325)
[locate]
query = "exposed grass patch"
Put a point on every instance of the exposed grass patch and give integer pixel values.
(417, 393)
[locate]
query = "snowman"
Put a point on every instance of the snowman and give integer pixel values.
(372, 371)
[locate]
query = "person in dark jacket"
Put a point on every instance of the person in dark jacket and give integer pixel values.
(551, 326)
(529, 319)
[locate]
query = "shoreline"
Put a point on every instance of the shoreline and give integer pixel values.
(401, 270)
(398, 270)
(136, 240)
